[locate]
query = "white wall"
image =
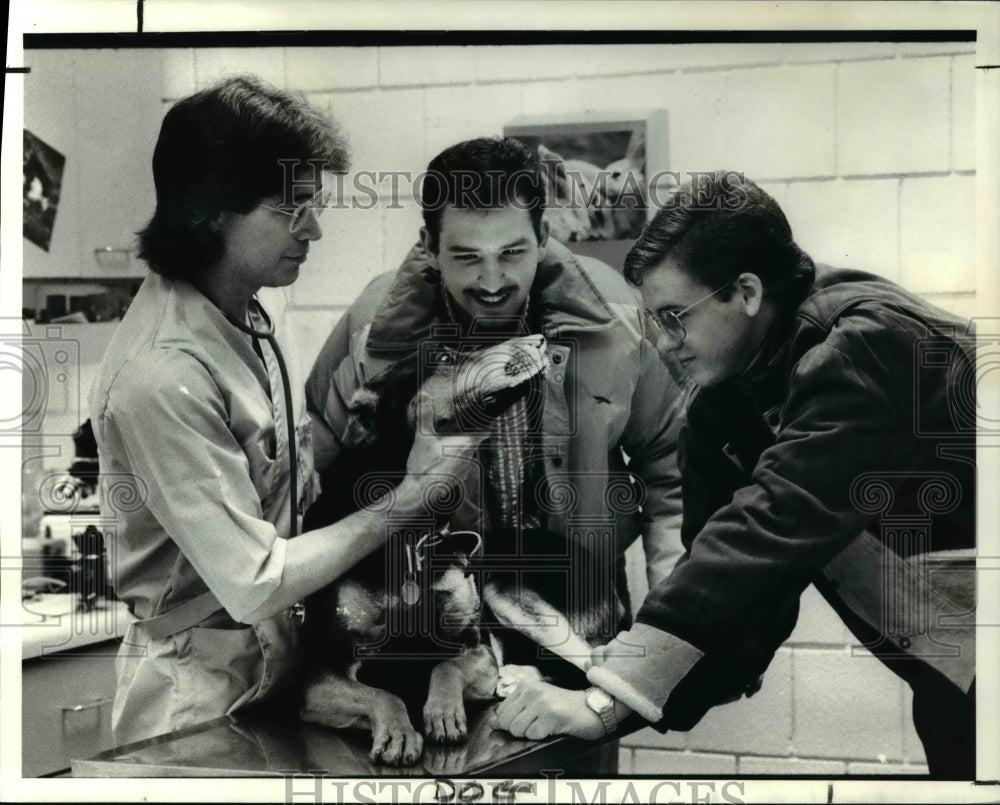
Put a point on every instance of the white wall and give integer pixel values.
(869, 147)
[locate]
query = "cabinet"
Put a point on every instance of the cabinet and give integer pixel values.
(66, 707)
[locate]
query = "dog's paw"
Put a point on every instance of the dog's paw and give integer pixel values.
(444, 720)
(394, 741)
(511, 675)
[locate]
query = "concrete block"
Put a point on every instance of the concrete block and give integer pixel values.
(420, 66)
(913, 749)
(963, 113)
(762, 102)
(346, 259)
(631, 60)
(817, 622)
(846, 707)
(893, 117)
(853, 224)
(937, 231)
(638, 59)
(214, 64)
(178, 73)
(920, 49)
(679, 764)
(501, 63)
(791, 766)
(835, 51)
(570, 96)
(649, 738)
(311, 329)
(721, 56)
(886, 768)
(761, 724)
(779, 192)
(401, 230)
(324, 69)
(961, 304)
(384, 128)
(454, 114)
(696, 105)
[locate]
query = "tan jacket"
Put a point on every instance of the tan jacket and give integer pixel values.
(606, 391)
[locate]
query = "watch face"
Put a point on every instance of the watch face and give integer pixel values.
(598, 700)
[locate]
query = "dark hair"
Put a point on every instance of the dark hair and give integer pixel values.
(222, 149)
(719, 225)
(483, 174)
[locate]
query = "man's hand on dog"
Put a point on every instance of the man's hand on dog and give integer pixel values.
(537, 710)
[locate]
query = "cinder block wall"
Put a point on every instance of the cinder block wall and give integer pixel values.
(868, 147)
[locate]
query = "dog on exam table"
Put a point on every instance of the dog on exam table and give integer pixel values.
(406, 634)
(400, 632)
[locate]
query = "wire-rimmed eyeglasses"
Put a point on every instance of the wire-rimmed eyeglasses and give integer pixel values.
(316, 205)
(669, 323)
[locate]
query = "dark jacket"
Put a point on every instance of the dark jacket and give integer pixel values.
(843, 456)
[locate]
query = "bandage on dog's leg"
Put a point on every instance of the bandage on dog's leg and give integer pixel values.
(538, 620)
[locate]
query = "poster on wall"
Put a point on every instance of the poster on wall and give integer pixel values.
(43, 171)
(597, 177)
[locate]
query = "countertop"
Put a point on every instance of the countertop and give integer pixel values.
(51, 624)
(257, 745)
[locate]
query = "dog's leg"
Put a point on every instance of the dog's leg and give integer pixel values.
(336, 701)
(471, 675)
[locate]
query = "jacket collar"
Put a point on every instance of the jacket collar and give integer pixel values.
(562, 296)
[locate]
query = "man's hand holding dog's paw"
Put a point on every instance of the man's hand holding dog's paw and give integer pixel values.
(537, 710)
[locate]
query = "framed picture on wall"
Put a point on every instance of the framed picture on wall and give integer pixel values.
(43, 171)
(600, 173)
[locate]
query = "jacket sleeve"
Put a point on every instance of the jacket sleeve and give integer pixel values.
(756, 554)
(650, 440)
(169, 419)
(331, 384)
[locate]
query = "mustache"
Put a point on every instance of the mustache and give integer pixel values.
(506, 290)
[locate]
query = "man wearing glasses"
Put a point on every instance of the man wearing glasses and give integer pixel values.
(831, 404)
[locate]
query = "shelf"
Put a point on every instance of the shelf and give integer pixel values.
(117, 280)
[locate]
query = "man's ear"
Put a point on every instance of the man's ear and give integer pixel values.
(751, 290)
(426, 241)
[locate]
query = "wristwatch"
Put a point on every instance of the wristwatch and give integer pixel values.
(601, 703)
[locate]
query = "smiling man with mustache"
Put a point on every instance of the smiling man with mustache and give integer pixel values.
(486, 270)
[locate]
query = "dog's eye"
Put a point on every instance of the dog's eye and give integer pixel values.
(444, 358)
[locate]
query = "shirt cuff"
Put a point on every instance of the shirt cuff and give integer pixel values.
(241, 604)
(642, 667)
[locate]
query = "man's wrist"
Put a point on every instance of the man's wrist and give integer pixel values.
(602, 704)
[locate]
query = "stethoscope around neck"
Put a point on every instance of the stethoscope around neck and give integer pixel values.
(268, 335)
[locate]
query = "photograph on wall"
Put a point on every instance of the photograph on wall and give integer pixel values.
(43, 171)
(594, 175)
